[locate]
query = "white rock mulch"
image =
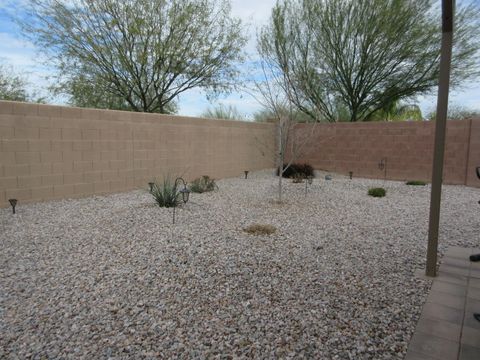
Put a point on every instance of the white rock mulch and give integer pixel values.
(111, 277)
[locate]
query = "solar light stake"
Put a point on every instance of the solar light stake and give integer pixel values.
(382, 165)
(185, 194)
(350, 174)
(308, 181)
(13, 202)
(246, 173)
(151, 184)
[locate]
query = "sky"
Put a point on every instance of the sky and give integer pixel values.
(25, 59)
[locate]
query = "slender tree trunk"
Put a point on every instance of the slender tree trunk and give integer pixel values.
(281, 155)
(280, 178)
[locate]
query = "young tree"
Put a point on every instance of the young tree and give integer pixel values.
(275, 96)
(366, 54)
(140, 53)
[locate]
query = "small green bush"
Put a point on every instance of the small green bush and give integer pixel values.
(295, 170)
(165, 195)
(377, 192)
(298, 178)
(203, 184)
(416, 183)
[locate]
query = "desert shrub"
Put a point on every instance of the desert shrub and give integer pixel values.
(298, 178)
(293, 170)
(203, 184)
(416, 182)
(260, 229)
(165, 194)
(377, 192)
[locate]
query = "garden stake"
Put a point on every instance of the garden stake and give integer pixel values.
(185, 194)
(13, 202)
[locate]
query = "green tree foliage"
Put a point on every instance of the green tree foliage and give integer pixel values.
(266, 115)
(398, 111)
(221, 111)
(456, 112)
(137, 54)
(12, 86)
(364, 55)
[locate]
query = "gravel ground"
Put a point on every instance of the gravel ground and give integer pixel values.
(110, 277)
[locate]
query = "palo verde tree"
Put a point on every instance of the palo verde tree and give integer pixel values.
(137, 54)
(365, 55)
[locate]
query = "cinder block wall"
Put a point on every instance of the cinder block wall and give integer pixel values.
(408, 147)
(52, 152)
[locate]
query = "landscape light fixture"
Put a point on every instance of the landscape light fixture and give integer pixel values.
(246, 174)
(350, 174)
(151, 185)
(308, 181)
(382, 165)
(478, 175)
(13, 202)
(185, 194)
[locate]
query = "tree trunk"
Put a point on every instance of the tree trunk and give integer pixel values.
(280, 178)
(281, 155)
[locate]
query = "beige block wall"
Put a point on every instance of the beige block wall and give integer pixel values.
(53, 152)
(473, 155)
(408, 147)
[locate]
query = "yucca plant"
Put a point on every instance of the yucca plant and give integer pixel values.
(165, 194)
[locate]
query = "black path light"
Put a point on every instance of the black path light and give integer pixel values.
(184, 191)
(151, 185)
(382, 165)
(13, 202)
(350, 174)
(246, 174)
(308, 181)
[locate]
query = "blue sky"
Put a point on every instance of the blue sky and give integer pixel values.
(26, 59)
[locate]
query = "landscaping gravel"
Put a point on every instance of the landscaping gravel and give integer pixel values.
(111, 277)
